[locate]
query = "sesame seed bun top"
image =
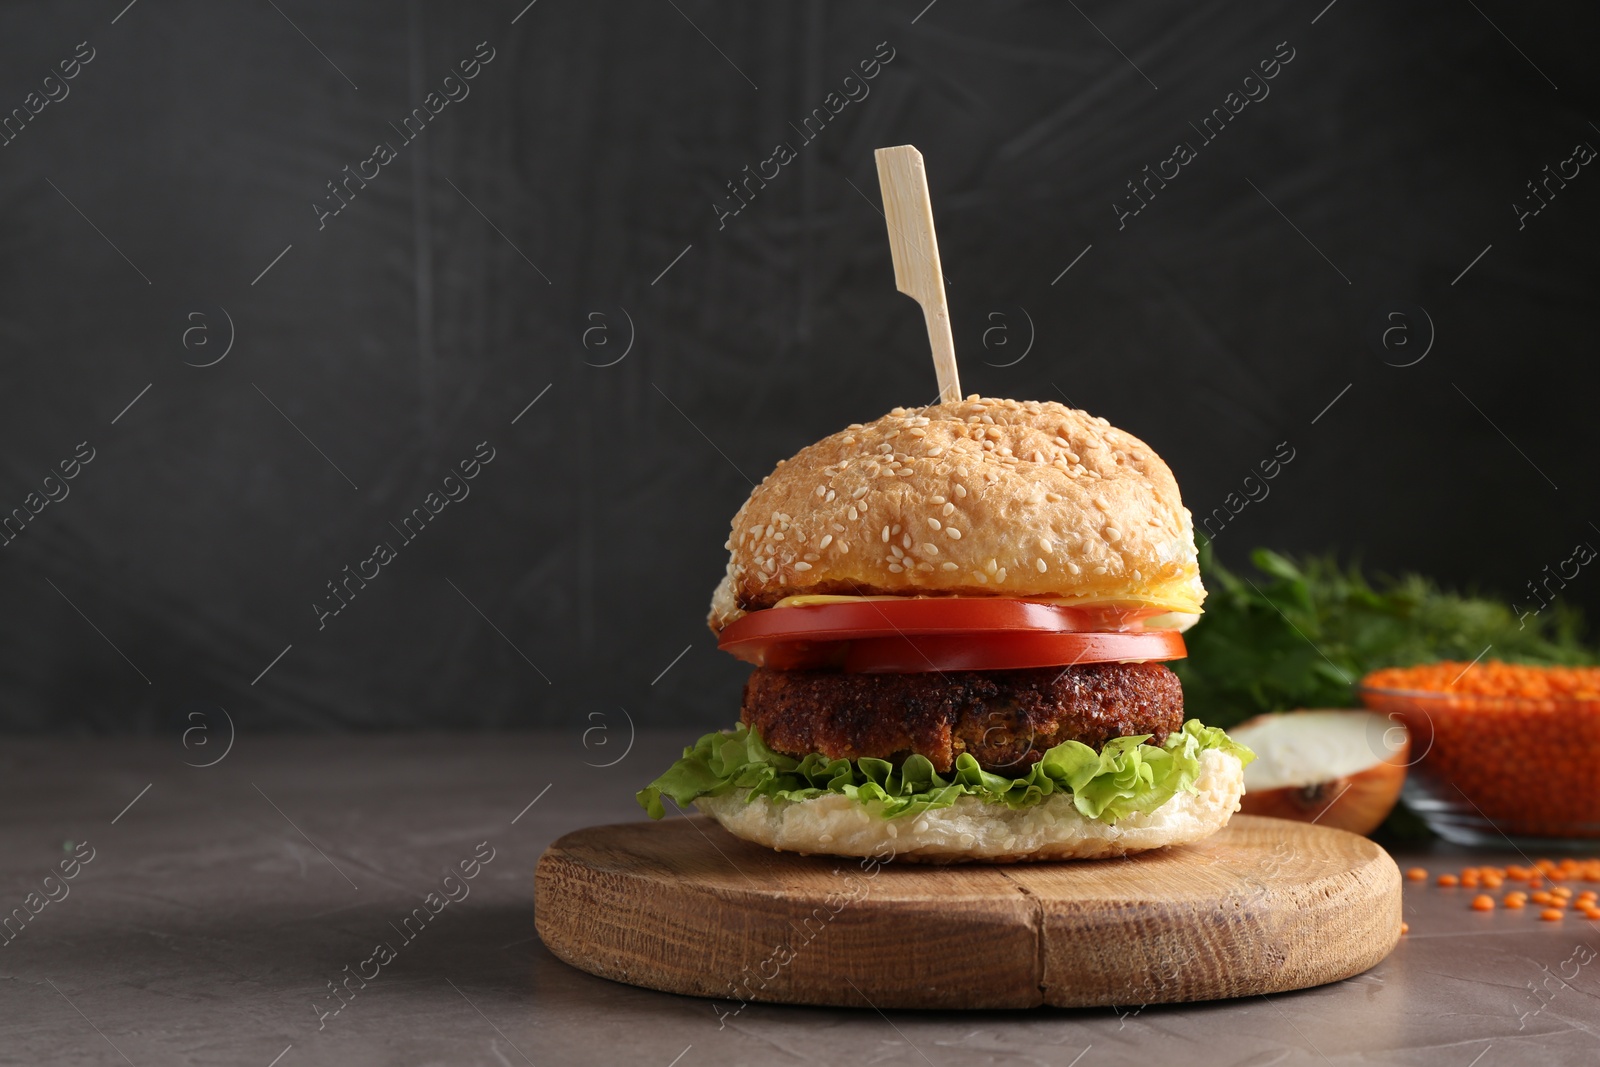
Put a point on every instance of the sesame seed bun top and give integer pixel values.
(980, 497)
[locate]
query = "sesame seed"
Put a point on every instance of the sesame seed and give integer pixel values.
(949, 566)
(859, 493)
(827, 539)
(812, 557)
(938, 451)
(895, 528)
(853, 513)
(930, 549)
(1113, 534)
(925, 567)
(905, 539)
(905, 472)
(886, 534)
(990, 566)
(1040, 565)
(961, 490)
(837, 528)
(917, 431)
(778, 536)
(983, 579)
(829, 498)
(802, 566)
(1001, 575)
(936, 499)
(821, 489)
(1045, 546)
(895, 550)
(844, 548)
(933, 523)
(895, 568)
(952, 533)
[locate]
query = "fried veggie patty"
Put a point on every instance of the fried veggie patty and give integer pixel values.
(1006, 719)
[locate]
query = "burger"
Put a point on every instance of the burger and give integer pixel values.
(959, 617)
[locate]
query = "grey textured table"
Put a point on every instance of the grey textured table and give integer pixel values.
(218, 907)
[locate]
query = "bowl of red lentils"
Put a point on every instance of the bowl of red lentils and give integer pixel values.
(1503, 751)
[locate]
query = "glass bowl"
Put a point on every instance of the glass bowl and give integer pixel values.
(1486, 770)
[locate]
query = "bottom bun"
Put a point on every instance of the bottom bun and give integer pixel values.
(975, 830)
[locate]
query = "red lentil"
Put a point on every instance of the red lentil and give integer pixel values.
(1493, 679)
(1550, 901)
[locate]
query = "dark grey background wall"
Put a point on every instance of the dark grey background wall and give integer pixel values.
(565, 211)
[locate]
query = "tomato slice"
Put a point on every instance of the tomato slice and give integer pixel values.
(914, 636)
(903, 616)
(1005, 652)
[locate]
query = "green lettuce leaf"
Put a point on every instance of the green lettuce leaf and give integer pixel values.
(1124, 777)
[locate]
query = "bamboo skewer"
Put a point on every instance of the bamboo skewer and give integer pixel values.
(915, 249)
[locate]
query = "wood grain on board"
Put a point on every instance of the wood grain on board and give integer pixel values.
(1264, 906)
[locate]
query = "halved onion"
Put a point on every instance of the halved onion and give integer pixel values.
(1339, 767)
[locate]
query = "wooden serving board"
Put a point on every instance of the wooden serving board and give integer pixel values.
(683, 906)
